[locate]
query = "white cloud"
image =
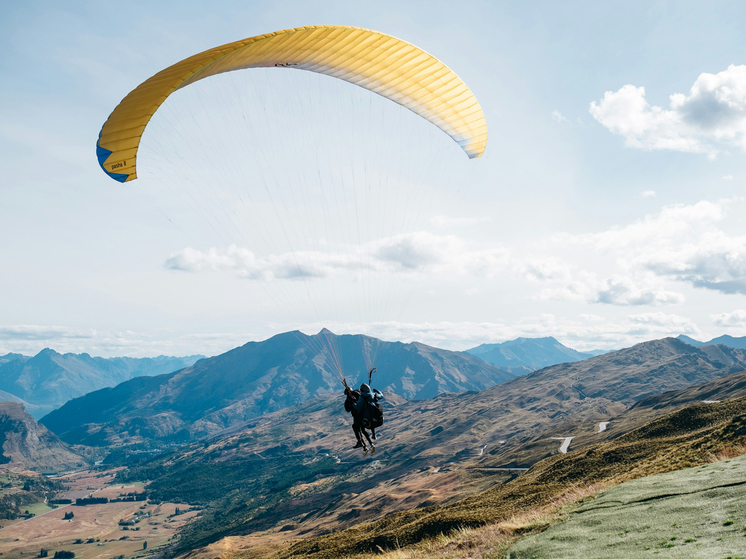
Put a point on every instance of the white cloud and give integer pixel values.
(728, 177)
(404, 254)
(541, 269)
(582, 333)
(36, 332)
(615, 290)
(731, 319)
(30, 339)
(714, 112)
(667, 322)
(647, 194)
(681, 242)
(620, 290)
(559, 117)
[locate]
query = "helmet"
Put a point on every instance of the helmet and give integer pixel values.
(364, 389)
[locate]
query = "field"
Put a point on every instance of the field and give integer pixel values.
(94, 531)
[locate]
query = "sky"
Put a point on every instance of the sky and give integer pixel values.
(607, 209)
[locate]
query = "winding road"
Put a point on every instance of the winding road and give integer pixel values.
(565, 444)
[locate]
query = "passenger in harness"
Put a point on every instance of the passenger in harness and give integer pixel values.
(371, 409)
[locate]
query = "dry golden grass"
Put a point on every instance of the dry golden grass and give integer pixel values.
(493, 540)
(691, 436)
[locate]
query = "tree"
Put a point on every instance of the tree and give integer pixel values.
(145, 545)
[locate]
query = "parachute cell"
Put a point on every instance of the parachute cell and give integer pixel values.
(380, 63)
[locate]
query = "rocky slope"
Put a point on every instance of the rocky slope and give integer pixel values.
(26, 443)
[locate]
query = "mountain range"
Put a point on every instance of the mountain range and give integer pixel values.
(294, 469)
(261, 377)
(49, 379)
(523, 355)
(730, 341)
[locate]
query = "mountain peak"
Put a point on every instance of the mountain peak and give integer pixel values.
(726, 340)
(528, 353)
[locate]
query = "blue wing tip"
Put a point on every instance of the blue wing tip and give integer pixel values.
(103, 154)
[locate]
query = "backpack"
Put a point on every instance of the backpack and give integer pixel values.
(373, 416)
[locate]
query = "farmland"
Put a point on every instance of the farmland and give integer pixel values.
(95, 531)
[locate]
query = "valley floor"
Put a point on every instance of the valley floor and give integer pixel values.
(96, 528)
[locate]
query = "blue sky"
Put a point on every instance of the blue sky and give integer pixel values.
(602, 213)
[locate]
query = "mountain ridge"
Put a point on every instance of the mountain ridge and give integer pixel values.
(529, 354)
(261, 377)
(726, 340)
(49, 379)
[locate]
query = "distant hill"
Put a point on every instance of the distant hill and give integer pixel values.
(729, 341)
(49, 379)
(7, 358)
(258, 378)
(24, 442)
(524, 355)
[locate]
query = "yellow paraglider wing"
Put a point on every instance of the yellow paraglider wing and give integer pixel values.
(380, 63)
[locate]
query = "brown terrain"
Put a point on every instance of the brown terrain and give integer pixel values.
(291, 477)
(440, 450)
(692, 436)
(95, 527)
(31, 445)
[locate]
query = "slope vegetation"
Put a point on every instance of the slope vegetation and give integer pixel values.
(691, 513)
(693, 436)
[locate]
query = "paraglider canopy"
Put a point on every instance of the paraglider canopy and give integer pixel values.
(380, 63)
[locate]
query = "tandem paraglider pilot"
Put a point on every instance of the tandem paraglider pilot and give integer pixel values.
(367, 413)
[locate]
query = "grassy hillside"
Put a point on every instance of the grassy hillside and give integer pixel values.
(689, 437)
(692, 513)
